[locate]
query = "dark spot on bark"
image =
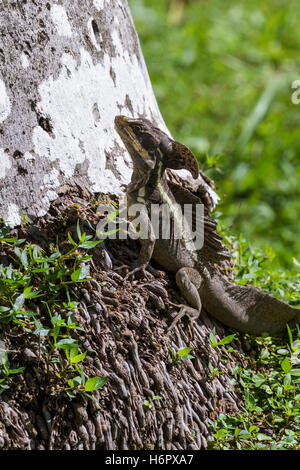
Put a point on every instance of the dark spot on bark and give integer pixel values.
(22, 170)
(129, 104)
(48, 6)
(96, 30)
(28, 45)
(43, 38)
(45, 123)
(110, 163)
(113, 75)
(96, 113)
(17, 154)
(32, 105)
(2, 56)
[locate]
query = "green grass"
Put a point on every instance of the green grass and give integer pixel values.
(269, 387)
(269, 383)
(222, 78)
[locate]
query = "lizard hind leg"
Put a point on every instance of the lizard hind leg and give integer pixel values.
(188, 280)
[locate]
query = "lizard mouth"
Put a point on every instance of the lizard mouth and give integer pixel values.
(121, 126)
(120, 121)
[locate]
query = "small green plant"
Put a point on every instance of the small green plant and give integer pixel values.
(149, 403)
(213, 341)
(84, 386)
(213, 371)
(182, 353)
(6, 373)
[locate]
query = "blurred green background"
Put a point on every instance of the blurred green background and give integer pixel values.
(222, 74)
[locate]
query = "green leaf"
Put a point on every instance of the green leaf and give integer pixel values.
(19, 302)
(24, 259)
(258, 380)
(56, 319)
(75, 382)
(16, 371)
(287, 379)
(71, 240)
(4, 309)
(17, 252)
(147, 403)
(227, 339)
(286, 365)
(263, 437)
(95, 383)
(42, 332)
(78, 230)
(67, 343)
(27, 291)
(80, 273)
(290, 336)
(212, 338)
(282, 351)
(81, 374)
(75, 275)
(189, 356)
(70, 394)
(78, 358)
(54, 256)
(89, 245)
(182, 352)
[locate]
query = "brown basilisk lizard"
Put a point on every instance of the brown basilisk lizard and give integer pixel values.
(244, 308)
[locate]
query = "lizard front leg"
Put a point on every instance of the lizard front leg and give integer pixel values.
(189, 281)
(147, 240)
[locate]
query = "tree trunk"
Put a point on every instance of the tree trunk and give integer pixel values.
(67, 69)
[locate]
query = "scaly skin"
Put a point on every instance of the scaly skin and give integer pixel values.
(244, 308)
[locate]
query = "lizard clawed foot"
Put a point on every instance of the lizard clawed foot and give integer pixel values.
(142, 269)
(191, 313)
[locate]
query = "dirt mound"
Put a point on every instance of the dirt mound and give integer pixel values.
(152, 399)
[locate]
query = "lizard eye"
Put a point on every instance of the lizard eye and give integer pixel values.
(151, 154)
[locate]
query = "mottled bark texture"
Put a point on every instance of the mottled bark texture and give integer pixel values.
(66, 69)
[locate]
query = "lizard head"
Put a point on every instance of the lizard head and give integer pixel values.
(140, 139)
(150, 146)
